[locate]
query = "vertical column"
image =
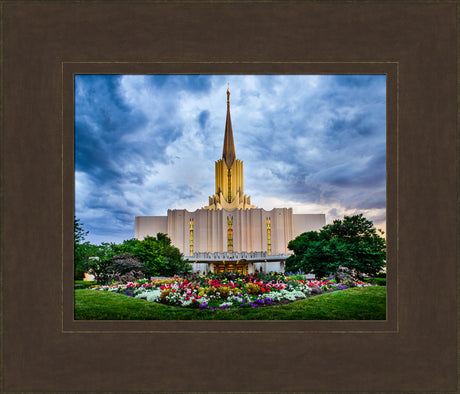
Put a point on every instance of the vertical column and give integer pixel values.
(213, 230)
(209, 247)
(241, 179)
(288, 229)
(242, 242)
(216, 169)
(277, 230)
(223, 230)
(250, 230)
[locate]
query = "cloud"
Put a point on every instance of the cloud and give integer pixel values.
(146, 143)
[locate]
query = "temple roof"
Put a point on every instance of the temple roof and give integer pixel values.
(228, 153)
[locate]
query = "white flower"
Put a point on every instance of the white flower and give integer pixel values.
(152, 296)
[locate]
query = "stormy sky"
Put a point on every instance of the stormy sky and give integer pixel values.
(147, 143)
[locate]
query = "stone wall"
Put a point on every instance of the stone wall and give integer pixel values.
(210, 229)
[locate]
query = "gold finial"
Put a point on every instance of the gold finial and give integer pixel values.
(228, 92)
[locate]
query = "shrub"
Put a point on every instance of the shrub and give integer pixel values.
(99, 268)
(79, 274)
(272, 276)
(131, 276)
(296, 277)
(126, 262)
(379, 281)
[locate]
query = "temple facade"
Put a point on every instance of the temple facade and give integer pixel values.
(231, 234)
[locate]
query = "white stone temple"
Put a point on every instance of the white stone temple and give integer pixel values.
(230, 234)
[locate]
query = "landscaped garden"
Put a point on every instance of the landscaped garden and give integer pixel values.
(233, 296)
(348, 255)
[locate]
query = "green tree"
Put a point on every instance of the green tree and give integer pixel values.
(159, 256)
(353, 242)
(80, 249)
(126, 246)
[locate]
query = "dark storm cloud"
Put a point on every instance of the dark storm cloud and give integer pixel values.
(350, 138)
(102, 119)
(177, 83)
(141, 142)
(203, 118)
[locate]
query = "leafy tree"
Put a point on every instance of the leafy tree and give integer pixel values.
(100, 269)
(99, 260)
(153, 256)
(79, 233)
(159, 256)
(80, 249)
(352, 242)
(126, 246)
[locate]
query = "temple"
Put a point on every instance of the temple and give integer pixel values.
(230, 234)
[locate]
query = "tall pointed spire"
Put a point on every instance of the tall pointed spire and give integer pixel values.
(228, 153)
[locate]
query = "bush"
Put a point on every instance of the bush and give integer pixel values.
(131, 276)
(83, 284)
(379, 281)
(271, 276)
(122, 268)
(79, 274)
(99, 268)
(126, 262)
(296, 277)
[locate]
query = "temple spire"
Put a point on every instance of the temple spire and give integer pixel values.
(228, 153)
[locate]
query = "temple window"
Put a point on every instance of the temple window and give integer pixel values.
(269, 240)
(191, 237)
(229, 185)
(229, 234)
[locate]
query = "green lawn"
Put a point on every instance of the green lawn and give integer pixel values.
(363, 303)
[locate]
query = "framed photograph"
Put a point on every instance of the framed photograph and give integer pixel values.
(314, 146)
(71, 71)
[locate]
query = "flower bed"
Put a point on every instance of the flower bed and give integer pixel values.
(211, 292)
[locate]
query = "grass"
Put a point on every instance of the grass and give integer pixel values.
(83, 284)
(363, 303)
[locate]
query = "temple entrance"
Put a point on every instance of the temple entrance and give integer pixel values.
(239, 267)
